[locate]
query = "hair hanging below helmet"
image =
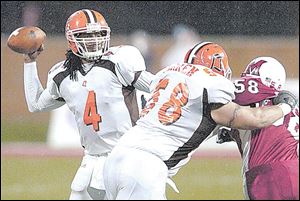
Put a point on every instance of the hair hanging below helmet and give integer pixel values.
(88, 34)
(270, 71)
(210, 55)
(72, 63)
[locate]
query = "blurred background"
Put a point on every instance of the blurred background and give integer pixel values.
(40, 152)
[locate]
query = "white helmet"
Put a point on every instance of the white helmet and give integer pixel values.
(269, 70)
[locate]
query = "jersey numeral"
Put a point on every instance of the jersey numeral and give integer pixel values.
(161, 85)
(252, 86)
(90, 112)
(170, 111)
(174, 104)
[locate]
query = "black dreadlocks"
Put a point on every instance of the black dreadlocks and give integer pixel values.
(73, 63)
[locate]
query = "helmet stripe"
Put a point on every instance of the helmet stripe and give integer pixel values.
(90, 16)
(187, 56)
(94, 15)
(195, 51)
(93, 19)
(87, 16)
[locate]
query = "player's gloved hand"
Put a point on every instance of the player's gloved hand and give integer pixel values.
(223, 135)
(286, 97)
(143, 100)
(31, 57)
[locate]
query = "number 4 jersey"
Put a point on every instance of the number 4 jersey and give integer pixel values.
(103, 98)
(177, 118)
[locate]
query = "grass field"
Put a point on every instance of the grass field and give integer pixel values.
(49, 178)
(23, 131)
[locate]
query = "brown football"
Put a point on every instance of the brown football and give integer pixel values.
(26, 39)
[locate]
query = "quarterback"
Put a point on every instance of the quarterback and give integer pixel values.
(97, 82)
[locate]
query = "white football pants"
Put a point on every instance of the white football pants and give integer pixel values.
(88, 181)
(132, 174)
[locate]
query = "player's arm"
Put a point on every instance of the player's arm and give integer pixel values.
(37, 98)
(243, 117)
(131, 69)
(227, 113)
(143, 81)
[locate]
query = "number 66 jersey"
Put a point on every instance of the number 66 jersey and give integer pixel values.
(176, 119)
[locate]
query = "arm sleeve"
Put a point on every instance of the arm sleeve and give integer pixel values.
(38, 99)
(143, 81)
(129, 61)
(221, 91)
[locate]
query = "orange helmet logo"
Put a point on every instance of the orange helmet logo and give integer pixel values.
(210, 55)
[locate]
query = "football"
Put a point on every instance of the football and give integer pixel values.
(26, 39)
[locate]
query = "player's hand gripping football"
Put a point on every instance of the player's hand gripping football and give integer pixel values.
(31, 57)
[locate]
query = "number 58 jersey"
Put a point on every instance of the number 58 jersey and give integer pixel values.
(176, 119)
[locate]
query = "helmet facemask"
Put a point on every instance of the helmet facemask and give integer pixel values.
(219, 67)
(91, 42)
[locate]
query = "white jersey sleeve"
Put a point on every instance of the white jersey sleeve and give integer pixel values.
(143, 81)
(129, 61)
(220, 90)
(37, 98)
(51, 85)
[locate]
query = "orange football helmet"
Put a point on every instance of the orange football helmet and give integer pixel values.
(88, 34)
(210, 55)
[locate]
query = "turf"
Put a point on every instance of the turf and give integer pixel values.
(23, 132)
(37, 179)
(50, 179)
(208, 179)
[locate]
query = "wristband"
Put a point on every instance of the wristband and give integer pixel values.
(286, 108)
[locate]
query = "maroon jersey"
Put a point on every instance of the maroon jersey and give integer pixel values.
(269, 146)
(251, 90)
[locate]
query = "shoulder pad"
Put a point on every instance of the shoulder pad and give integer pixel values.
(57, 68)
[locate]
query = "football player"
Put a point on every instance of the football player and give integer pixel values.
(98, 84)
(270, 155)
(188, 101)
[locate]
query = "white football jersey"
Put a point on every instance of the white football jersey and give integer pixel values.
(177, 117)
(103, 99)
